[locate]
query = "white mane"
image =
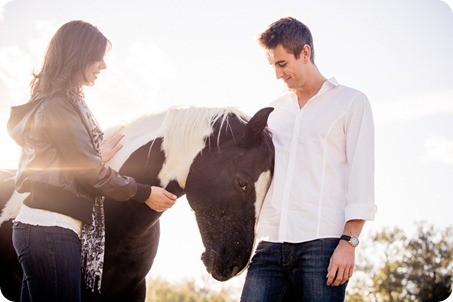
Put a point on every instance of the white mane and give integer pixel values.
(184, 130)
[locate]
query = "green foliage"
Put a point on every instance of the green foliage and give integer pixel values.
(407, 269)
(430, 265)
(388, 280)
(163, 291)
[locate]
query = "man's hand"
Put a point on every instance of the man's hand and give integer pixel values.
(110, 146)
(341, 264)
(160, 199)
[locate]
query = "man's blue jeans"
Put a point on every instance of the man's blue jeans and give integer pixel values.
(292, 272)
(51, 262)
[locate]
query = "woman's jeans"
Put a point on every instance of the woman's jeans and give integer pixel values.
(292, 272)
(51, 262)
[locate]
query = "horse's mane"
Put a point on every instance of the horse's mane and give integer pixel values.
(183, 125)
(184, 130)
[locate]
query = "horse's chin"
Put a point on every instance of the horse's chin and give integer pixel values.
(216, 268)
(222, 278)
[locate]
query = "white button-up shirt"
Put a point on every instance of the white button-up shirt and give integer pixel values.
(324, 165)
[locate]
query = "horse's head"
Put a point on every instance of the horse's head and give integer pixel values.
(226, 186)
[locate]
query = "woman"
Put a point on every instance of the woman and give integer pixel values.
(61, 167)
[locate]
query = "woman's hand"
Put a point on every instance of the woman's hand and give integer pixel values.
(110, 146)
(160, 199)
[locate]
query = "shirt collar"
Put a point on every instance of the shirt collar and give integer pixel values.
(329, 84)
(332, 81)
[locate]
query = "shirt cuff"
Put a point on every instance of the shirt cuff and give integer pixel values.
(361, 211)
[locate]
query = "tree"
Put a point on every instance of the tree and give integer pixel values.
(430, 264)
(407, 269)
(389, 279)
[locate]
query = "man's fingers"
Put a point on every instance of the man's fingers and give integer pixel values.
(331, 273)
(339, 278)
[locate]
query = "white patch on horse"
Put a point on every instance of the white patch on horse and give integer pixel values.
(261, 188)
(12, 207)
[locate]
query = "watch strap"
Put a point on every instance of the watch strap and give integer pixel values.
(345, 237)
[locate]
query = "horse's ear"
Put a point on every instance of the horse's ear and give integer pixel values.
(255, 127)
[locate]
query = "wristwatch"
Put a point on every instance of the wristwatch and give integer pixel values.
(353, 240)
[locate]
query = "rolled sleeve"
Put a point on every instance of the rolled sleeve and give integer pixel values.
(362, 211)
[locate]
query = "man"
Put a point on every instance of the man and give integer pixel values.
(323, 185)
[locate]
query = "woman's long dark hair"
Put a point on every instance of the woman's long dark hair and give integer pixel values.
(73, 47)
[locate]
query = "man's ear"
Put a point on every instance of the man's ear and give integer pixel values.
(305, 53)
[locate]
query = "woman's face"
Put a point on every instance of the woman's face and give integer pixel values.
(92, 71)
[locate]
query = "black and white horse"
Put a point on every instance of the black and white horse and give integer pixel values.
(218, 157)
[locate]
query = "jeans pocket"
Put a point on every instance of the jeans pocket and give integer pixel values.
(19, 225)
(21, 237)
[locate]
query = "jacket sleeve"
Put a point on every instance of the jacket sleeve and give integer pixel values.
(65, 127)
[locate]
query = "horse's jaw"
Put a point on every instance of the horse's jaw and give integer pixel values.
(213, 257)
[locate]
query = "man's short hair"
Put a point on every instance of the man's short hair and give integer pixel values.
(291, 34)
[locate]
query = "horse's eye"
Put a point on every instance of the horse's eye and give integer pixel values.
(243, 185)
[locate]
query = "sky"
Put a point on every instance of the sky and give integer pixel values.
(204, 53)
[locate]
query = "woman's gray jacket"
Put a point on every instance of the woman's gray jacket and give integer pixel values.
(59, 165)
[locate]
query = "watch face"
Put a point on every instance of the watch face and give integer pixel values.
(354, 241)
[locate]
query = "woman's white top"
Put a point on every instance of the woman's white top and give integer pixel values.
(46, 218)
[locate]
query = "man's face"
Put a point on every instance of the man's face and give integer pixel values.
(287, 67)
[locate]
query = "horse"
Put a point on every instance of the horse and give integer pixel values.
(220, 158)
